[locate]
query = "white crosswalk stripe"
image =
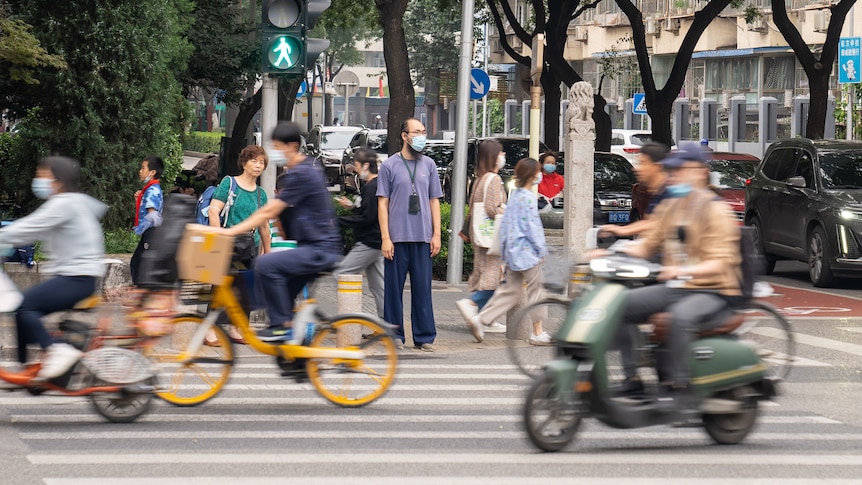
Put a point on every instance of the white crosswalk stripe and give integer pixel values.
(445, 420)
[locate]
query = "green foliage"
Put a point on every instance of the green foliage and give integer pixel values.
(21, 53)
(346, 23)
(430, 38)
(18, 171)
(440, 263)
(347, 238)
(225, 50)
(121, 241)
(202, 141)
(119, 100)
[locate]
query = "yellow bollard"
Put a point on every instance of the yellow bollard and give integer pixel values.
(349, 300)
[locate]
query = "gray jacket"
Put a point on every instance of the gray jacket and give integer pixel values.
(68, 226)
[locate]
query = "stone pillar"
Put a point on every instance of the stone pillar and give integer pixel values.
(349, 300)
(708, 119)
(580, 149)
(681, 121)
(767, 122)
(736, 122)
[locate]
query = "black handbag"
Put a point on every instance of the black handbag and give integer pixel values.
(244, 248)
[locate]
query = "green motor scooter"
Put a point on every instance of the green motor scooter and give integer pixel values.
(728, 376)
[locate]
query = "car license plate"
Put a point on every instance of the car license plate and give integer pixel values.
(618, 217)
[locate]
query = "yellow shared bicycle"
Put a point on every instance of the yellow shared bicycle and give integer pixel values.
(350, 359)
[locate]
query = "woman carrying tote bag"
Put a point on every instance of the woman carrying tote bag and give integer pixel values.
(488, 195)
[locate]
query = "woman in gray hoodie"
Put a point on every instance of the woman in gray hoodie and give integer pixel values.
(68, 225)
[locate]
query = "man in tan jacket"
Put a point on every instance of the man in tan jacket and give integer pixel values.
(698, 237)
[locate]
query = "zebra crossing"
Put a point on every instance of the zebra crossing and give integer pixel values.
(446, 420)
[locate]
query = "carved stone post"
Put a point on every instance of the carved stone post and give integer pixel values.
(580, 147)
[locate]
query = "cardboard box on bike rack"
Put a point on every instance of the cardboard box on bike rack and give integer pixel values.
(204, 254)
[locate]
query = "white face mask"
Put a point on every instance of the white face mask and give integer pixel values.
(363, 174)
(501, 161)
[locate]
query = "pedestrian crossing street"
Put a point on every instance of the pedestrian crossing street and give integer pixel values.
(445, 420)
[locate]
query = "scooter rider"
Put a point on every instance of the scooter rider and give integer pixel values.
(698, 237)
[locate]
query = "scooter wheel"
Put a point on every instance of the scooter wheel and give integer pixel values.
(551, 423)
(732, 428)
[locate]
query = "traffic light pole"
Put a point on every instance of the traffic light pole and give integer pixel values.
(268, 120)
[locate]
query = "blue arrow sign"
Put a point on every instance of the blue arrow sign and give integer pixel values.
(302, 89)
(480, 83)
(639, 105)
(849, 60)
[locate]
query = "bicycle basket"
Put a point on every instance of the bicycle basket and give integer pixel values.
(118, 366)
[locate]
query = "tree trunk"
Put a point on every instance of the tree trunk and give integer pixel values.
(247, 110)
(815, 127)
(551, 87)
(660, 115)
(402, 103)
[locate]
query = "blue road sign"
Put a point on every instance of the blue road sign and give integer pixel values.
(302, 89)
(639, 105)
(480, 83)
(849, 60)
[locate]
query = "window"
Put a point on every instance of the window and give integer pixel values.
(841, 170)
(377, 59)
(780, 165)
(805, 169)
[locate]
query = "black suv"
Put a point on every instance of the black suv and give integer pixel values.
(805, 203)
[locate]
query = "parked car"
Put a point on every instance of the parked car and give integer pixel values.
(628, 143)
(442, 152)
(613, 178)
(366, 138)
(804, 202)
(728, 172)
(327, 144)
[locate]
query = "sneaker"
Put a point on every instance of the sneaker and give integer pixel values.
(399, 345)
(495, 327)
(476, 328)
(275, 334)
(57, 359)
(426, 347)
(541, 339)
(467, 308)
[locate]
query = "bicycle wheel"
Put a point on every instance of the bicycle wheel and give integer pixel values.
(124, 406)
(348, 382)
(552, 312)
(770, 334)
(189, 380)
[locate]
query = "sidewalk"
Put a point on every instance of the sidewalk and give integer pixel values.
(452, 332)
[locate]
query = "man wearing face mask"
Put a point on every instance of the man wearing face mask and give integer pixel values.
(551, 183)
(365, 257)
(409, 193)
(698, 237)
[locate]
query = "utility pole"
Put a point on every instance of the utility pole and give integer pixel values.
(459, 173)
(536, 64)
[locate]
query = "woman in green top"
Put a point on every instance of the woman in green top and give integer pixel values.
(247, 199)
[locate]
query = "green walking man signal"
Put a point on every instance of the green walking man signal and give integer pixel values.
(285, 46)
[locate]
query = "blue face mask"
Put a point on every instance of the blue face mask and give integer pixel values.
(550, 167)
(418, 142)
(538, 179)
(678, 190)
(42, 188)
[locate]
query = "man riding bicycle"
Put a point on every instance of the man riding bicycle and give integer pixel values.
(305, 210)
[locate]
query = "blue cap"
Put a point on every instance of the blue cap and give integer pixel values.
(690, 152)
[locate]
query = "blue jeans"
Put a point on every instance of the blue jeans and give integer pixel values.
(54, 295)
(481, 297)
(415, 258)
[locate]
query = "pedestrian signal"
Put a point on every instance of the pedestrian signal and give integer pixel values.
(285, 46)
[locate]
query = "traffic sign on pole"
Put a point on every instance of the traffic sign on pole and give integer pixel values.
(639, 105)
(849, 58)
(480, 83)
(285, 46)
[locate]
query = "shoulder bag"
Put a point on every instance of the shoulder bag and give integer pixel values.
(484, 228)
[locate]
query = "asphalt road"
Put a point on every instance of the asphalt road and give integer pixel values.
(450, 418)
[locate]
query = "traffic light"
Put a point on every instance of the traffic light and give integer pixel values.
(285, 46)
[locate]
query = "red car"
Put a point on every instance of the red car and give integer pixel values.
(727, 174)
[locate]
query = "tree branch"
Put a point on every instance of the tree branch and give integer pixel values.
(517, 28)
(541, 20)
(498, 22)
(583, 9)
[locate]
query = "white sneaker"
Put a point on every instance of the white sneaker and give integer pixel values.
(476, 328)
(467, 308)
(495, 327)
(541, 339)
(57, 359)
